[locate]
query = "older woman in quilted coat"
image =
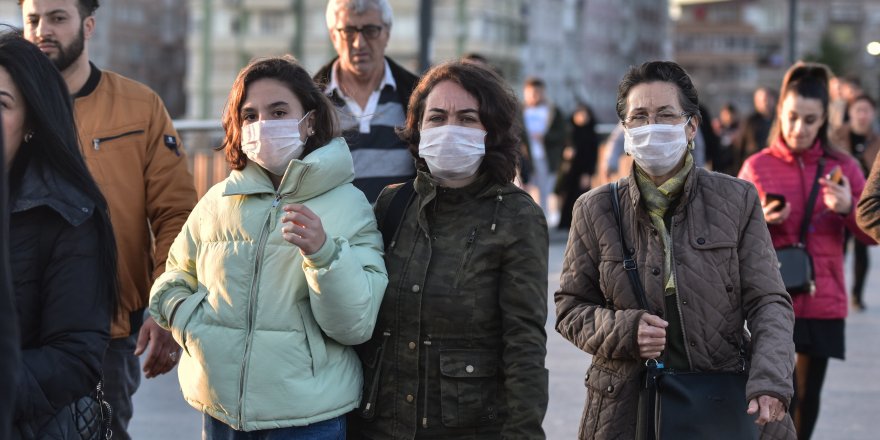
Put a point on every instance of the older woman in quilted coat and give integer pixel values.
(705, 260)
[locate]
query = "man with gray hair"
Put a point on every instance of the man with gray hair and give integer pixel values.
(370, 92)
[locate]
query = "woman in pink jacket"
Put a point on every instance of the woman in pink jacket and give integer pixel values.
(788, 167)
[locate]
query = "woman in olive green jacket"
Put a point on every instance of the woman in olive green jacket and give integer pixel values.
(459, 347)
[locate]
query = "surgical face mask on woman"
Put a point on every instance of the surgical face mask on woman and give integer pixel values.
(272, 144)
(656, 148)
(452, 152)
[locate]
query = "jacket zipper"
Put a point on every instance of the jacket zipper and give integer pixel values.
(427, 344)
(374, 386)
(464, 259)
(687, 349)
(264, 237)
(97, 141)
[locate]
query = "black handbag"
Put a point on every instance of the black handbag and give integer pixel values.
(795, 263)
(87, 418)
(686, 405)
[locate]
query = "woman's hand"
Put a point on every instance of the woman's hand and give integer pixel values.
(773, 215)
(837, 198)
(652, 336)
(771, 409)
(304, 228)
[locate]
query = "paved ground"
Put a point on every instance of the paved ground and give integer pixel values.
(849, 408)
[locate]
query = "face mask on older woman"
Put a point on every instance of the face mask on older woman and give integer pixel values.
(656, 148)
(451, 151)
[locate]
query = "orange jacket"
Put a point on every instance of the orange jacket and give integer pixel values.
(135, 155)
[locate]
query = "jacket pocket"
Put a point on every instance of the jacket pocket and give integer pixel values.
(181, 316)
(603, 387)
(373, 361)
(468, 387)
(314, 336)
(103, 141)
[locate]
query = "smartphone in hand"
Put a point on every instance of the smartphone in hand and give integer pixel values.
(835, 175)
(770, 198)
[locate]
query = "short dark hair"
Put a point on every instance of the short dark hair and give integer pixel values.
(863, 97)
(86, 7)
(498, 109)
(287, 70)
(534, 81)
(659, 71)
(730, 107)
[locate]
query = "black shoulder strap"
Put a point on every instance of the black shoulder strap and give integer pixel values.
(628, 263)
(396, 211)
(811, 202)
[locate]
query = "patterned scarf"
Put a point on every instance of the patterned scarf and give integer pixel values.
(657, 200)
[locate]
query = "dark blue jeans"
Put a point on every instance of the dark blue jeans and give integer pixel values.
(333, 429)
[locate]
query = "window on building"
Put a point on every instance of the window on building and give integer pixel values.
(271, 22)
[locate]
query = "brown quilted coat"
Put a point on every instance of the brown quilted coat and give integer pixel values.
(726, 273)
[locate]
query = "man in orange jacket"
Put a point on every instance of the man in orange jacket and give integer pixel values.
(134, 153)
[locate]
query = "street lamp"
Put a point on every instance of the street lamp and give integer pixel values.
(874, 48)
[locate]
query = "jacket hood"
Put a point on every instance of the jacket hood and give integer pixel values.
(42, 187)
(322, 170)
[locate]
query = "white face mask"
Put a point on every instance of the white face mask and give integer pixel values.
(452, 152)
(273, 144)
(656, 148)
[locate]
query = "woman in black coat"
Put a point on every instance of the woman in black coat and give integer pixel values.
(576, 180)
(62, 248)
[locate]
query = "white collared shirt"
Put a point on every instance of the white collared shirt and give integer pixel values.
(364, 115)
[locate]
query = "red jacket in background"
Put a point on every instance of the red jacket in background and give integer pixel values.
(778, 170)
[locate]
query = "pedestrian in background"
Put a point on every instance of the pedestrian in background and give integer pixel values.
(277, 271)
(459, 346)
(859, 139)
(369, 91)
(702, 252)
(842, 91)
(728, 129)
(757, 126)
(62, 249)
(789, 168)
(546, 127)
(135, 155)
(584, 151)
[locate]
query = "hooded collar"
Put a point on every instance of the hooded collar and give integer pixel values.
(41, 187)
(779, 149)
(322, 170)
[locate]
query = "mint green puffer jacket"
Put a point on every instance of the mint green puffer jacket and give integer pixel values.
(266, 333)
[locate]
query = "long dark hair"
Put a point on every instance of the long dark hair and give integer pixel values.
(498, 108)
(807, 80)
(54, 144)
(286, 70)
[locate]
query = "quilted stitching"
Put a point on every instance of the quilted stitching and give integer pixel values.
(724, 263)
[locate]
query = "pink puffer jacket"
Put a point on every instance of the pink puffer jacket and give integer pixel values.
(779, 171)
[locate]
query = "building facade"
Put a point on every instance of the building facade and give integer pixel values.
(224, 35)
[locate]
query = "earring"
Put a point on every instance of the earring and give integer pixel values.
(28, 136)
